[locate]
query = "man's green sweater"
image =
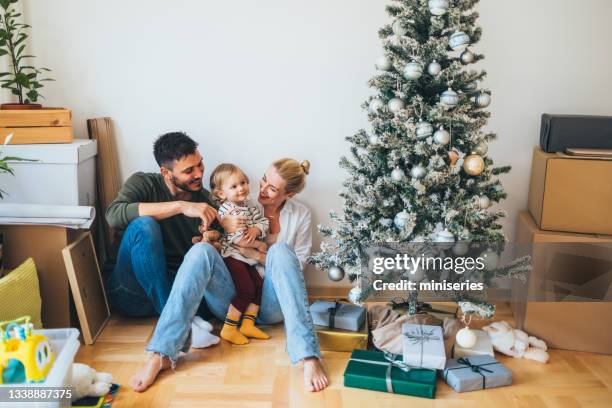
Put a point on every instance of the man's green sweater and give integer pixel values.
(177, 231)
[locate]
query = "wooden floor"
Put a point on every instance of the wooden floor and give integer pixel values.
(260, 375)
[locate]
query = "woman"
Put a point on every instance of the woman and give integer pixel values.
(204, 274)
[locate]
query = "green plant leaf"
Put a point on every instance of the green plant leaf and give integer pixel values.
(20, 49)
(33, 95)
(3, 52)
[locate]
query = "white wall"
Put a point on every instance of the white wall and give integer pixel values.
(253, 81)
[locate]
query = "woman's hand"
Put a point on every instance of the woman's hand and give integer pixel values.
(233, 223)
(251, 253)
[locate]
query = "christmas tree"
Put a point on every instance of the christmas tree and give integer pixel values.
(421, 173)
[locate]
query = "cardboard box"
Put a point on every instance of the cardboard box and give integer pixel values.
(51, 125)
(571, 194)
(560, 268)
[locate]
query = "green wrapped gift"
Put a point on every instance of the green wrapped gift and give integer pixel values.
(377, 371)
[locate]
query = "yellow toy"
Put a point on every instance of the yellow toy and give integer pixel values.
(32, 350)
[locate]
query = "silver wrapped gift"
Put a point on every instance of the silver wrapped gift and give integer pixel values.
(476, 373)
(423, 346)
(337, 315)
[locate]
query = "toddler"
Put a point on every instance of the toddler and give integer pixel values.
(230, 187)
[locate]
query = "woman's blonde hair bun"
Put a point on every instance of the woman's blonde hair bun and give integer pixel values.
(306, 166)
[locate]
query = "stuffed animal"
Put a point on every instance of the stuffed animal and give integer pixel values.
(516, 343)
(213, 237)
(87, 382)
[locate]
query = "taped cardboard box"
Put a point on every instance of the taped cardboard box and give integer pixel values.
(571, 272)
(570, 193)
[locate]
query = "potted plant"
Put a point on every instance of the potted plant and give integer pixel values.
(23, 79)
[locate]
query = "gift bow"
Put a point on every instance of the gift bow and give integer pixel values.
(332, 314)
(421, 338)
(476, 368)
(390, 363)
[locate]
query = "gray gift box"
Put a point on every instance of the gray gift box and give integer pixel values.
(476, 373)
(337, 315)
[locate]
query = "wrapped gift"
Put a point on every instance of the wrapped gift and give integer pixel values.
(476, 373)
(423, 346)
(342, 340)
(337, 315)
(377, 371)
(483, 347)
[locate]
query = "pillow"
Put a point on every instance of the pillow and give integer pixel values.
(20, 294)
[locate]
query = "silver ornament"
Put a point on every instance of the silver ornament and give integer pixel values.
(401, 219)
(438, 7)
(413, 71)
(490, 259)
(423, 129)
(397, 174)
(335, 273)
(354, 296)
(373, 139)
(484, 202)
(442, 136)
(434, 68)
(375, 105)
(383, 63)
(386, 222)
(418, 172)
(470, 86)
(483, 100)
(461, 248)
(459, 41)
(467, 57)
(445, 239)
(398, 28)
(396, 105)
(449, 98)
(482, 148)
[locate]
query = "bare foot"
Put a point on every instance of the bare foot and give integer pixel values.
(144, 378)
(315, 378)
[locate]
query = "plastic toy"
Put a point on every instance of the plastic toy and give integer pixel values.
(19, 345)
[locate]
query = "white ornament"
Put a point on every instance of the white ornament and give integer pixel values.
(375, 105)
(335, 273)
(490, 260)
(466, 338)
(401, 219)
(484, 202)
(396, 105)
(442, 136)
(434, 68)
(398, 28)
(354, 295)
(449, 98)
(383, 63)
(386, 222)
(483, 100)
(482, 148)
(373, 139)
(423, 129)
(467, 57)
(461, 248)
(397, 174)
(438, 7)
(413, 71)
(418, 172)
(459, 41)
(445, 239)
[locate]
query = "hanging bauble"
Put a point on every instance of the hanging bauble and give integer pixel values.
(438, 7)
(490, 259)
(373, 139)
(413, 71)
(386, 222)
(401, 219)
(467, 57)
(459, 41)
(484, 202)
(442, 136)
(418, 172)
(473, 165)
(483, 100)
(466, 338)
(396, 105)
(398, 28)
(375, 105)
(449, 98)
(397, 174)
(434, 68)
(423, 129)
(335, 273)
(383, 63)
(354, 296)
(445, 239)
(470, 86)
(461, 248)
(453, 157)
(481, 148)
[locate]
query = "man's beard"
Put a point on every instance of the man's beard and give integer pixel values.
(185, 187)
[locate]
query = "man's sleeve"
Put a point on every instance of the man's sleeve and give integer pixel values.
(124, 208)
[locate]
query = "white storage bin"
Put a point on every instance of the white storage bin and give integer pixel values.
(63, 174)
(65, 344)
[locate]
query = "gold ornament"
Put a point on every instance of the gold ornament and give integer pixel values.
(473, 165)
(453, 156)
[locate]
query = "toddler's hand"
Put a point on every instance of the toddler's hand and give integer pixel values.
(251, 234)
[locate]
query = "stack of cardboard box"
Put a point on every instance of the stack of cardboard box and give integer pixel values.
(569, 229)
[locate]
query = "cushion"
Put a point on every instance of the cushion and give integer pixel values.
(20, 294)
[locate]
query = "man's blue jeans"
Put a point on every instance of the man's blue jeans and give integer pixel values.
(204, 274)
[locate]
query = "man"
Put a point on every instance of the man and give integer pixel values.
(156, 215)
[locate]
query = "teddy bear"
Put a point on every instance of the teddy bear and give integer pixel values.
(516, 343)
(213, 237)
(87, 382)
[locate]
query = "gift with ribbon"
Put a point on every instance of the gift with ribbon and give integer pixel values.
(343, 340)
(337, 315)
(386, 372)
(423, 346)
(476, 373)
(437, 309)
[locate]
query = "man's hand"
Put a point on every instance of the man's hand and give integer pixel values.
(250, 235)
(233, 223)
(199, 210)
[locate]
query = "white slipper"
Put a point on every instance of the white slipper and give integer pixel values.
(202, 324)
(201, 338)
